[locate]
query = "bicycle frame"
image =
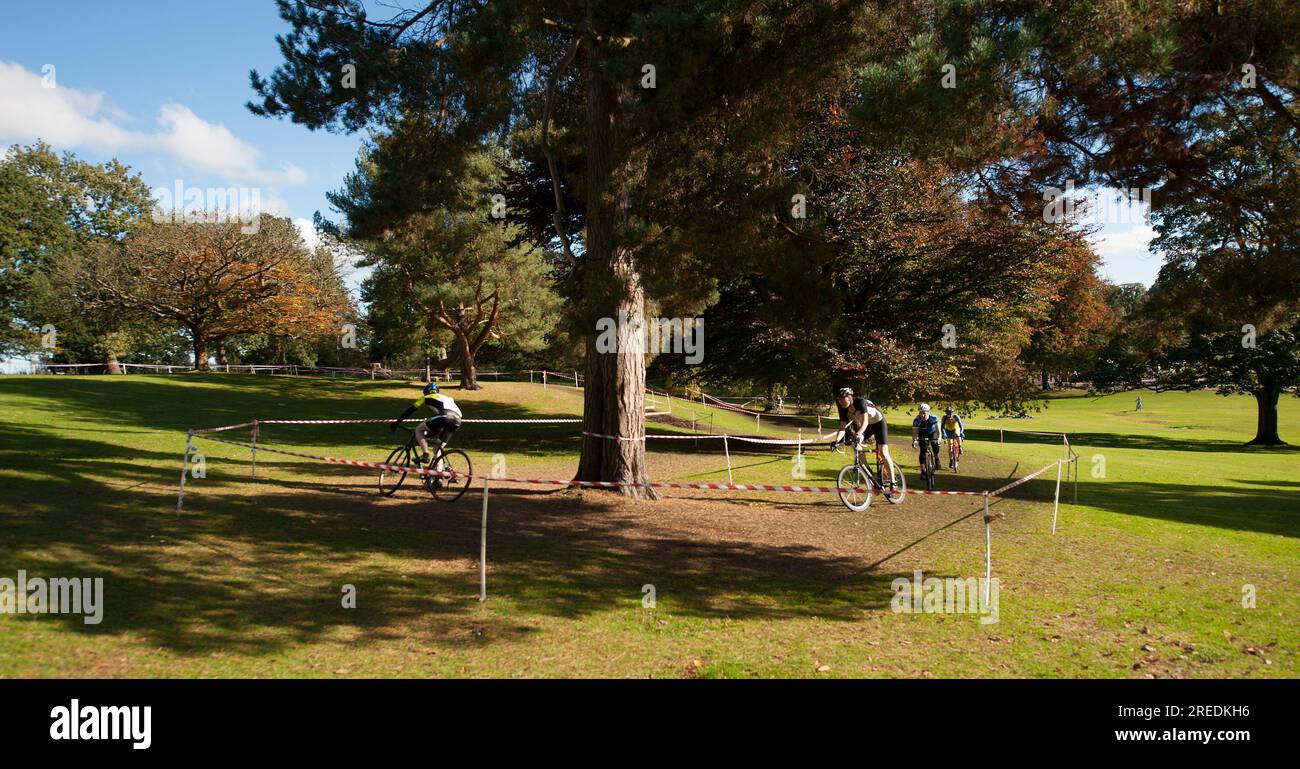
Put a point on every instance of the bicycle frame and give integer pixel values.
(413, 445)
(893, 490)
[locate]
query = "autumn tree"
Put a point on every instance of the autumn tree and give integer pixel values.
(213, 280)
(900, 285)
(1078, 320)
(1192, 103)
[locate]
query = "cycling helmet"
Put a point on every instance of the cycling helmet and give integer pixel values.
(948, 410)
(925, 407)
(844, 391)
(431, 388)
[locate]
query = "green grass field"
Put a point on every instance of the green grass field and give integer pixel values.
(1175, 522)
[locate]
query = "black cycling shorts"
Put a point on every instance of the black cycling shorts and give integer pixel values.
(441, 427)
(879, 430)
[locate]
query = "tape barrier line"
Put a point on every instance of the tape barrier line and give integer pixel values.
(350, 462)
(599, 484)
(547, 421)
(207, 430)
(1026, 479)
(595, 484)
(719, 403)
(698, 436)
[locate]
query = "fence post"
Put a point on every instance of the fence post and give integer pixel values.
(988, 550)
(254, 448)
(185, 470)
(482, 547)
(543, 377)
(1000, 435)
(728, 453)
(1056, 502)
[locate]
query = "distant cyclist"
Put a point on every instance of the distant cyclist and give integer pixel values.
(441, 425)
(953, 430)
(925, 428)
(859, 420)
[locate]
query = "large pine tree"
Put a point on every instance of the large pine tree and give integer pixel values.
(678, 114)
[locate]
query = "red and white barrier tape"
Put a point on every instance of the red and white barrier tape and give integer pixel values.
(206, 434)
(207, 430)
(598, 484)
(351, 462)
(547, 420)
(616, 484)
(698, 436)
(1026, 479)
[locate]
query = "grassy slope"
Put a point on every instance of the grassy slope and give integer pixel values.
(1144, 576)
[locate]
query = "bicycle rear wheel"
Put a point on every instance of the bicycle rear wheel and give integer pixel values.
(458, 473)
(390, 481)
(855, 487)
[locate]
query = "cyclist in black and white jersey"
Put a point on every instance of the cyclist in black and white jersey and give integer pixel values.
(859, 420)
(439, 427)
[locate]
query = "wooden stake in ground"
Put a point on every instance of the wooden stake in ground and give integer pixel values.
(482, 548)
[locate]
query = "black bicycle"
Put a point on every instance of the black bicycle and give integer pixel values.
(857, 483)
(457, 472)
(929, 463)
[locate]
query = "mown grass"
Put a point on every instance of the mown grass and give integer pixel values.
(1145, 576)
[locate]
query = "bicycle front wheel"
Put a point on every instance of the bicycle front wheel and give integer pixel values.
(457, 475)
(855, 487)
(389, 480)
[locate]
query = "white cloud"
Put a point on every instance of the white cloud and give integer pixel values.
(1124, 254)
(63, 117)
(68, 118)
(307, 231)
(1131, 243)
(212, 147)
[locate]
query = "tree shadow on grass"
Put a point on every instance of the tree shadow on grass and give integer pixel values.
(1135, 441)
(1267, 511)
(255, 567)
(131, 404)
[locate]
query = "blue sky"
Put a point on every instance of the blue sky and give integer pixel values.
(162, 86)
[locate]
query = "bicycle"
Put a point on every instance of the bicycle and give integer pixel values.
(858, 476)
(457, 472)
(929, 463)
(954, 454)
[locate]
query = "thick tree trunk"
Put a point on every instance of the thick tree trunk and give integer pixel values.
(200, 350)
(1047, 385)
(614, 396)
(111, 365)
(1266, 425)
(468, 372)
